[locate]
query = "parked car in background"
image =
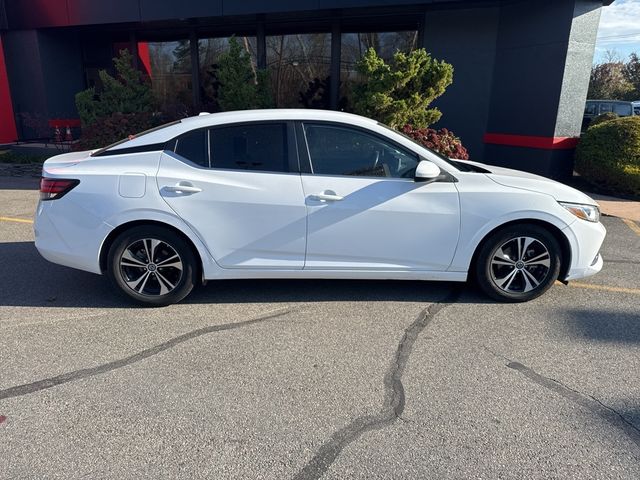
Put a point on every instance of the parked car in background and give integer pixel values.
(593, 108)
(306, 194)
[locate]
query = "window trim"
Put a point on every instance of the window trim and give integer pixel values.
(306, 167)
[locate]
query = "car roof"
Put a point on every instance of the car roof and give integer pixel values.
(610, 101)
(204, 120)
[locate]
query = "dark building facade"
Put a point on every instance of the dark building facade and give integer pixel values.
(520, 80)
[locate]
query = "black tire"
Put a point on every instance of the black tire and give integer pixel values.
(517, 282)
(164, 285)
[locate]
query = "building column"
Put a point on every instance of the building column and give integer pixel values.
(540, 84)
(336, 42)
(45, 82)
(195, 68)
(8, 131)
(261, 43)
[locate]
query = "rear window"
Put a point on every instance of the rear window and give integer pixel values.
(132, 136)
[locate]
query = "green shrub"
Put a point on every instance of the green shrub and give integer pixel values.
(399, 93)
(609, 155)
(240, 86)
(603, 117)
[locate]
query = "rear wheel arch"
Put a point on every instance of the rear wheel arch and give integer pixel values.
(561, 238)
(108, 241)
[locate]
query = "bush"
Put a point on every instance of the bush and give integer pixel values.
(443, 141)
(118, 126)
(609, 155)
(604, 117)
(400, 93)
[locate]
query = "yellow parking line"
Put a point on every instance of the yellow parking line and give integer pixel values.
(606, 288)
(18, 220)
(632, 225)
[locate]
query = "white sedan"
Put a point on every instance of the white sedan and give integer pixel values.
(306, 194)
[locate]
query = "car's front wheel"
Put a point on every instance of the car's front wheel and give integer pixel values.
(518, 263)
(152, 265)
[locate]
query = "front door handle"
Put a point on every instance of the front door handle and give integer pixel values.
(182, 187)
(326, 196)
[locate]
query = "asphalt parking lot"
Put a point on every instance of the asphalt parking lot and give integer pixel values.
(315, 379)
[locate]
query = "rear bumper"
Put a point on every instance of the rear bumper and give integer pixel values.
(79, 247)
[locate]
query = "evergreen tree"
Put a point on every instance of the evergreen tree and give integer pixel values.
(128, 92)
(400, 93)
(239, 87)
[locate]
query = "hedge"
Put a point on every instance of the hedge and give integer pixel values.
(609, 155)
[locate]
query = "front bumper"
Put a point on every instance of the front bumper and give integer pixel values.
(585, 239)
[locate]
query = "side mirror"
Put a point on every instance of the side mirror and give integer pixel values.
(426, 171)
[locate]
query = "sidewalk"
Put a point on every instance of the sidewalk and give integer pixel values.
(617, 207)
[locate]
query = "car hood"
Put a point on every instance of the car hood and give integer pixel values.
(535, 183)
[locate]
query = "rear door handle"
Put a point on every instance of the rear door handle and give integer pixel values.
(182, 187)
(327, 196)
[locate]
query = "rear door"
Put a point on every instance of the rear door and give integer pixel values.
(239, 188)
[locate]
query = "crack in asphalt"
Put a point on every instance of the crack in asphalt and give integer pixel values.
(394, 399)
(81, 374)
(586, 400)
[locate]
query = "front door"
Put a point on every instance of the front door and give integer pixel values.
(364, 209)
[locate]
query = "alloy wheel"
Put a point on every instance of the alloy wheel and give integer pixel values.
(151, 267)
(520, 265)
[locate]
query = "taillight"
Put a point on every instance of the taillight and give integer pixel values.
(54, 188)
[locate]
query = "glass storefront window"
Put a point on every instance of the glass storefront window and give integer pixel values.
(295, 61)
(209, 50)
(171, 77)
(354, 46)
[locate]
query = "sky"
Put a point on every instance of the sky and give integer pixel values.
(619, 30)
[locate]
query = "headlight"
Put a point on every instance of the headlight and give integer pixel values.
(591, 213)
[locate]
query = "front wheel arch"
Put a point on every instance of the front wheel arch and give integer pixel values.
(108, 242)
(561, 238)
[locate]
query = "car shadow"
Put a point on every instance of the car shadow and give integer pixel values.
(28, 280)
(605, 325)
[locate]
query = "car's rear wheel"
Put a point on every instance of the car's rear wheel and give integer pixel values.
(518, 263)
(152, 265)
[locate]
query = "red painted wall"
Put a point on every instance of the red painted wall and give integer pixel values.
(7, 121)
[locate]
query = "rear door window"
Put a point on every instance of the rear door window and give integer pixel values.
(606, 107)
(622, 109)
(251, 146)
